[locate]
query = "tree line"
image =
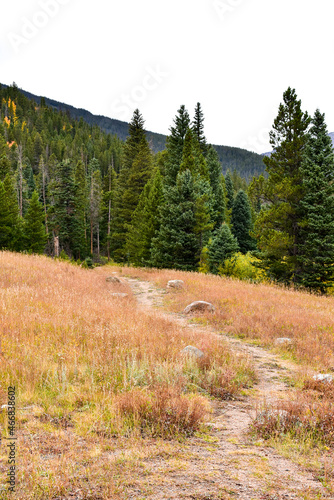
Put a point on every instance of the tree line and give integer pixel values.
(68, 186)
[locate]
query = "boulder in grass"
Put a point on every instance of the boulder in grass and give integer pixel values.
(192, 351)
(178, 284)
(324, 377)
(119, 295)
(113, 279)
(283, 341)
(199, 306)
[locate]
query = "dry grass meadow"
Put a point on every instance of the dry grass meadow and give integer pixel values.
(102, 387)
(99, 383)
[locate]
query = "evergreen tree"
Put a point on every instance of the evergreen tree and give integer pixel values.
(5, 167)
(7, 225)
(215, 173)
(109, 184)
(34, 234)
(222, 247)
(95, 209)
(62, 209)
(316, 250)
(277, 228)
(241, 221)
(145, 221)
(15, 239)
(175, 145)
(176, 244)
(79, 236)
(198, 128)
(133, 176)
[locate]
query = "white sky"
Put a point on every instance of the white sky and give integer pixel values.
(236, 57)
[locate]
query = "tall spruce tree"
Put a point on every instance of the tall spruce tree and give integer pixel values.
(134, 174)
(277, 228)
(7, 224)
(316, 249)
(241, 222)
(80, 211)
(62, 209)
(198, 128)
(175, 145)
(222, 247)
(176, 245)
(145, 221)
(34, 234)
(15, 235)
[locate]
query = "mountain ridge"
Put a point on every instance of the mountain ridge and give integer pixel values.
(246, 163)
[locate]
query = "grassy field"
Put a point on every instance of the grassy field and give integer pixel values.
(260, 313)
(100, 384)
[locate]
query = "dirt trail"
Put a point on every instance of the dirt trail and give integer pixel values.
(231, 464)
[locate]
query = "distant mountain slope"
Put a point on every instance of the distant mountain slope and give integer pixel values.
(244, 162)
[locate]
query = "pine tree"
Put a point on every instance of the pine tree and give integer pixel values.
(241, 221)
(277, 228)
(198, 128)
(5, 167)
(6, 223)
(145, 221)
(215, 173)
(79, 236)
(175, 145)
(10, 227)
(316, 250)
(134, 174)
(62, 209)
(34, 234)
(95, 209)
(222, 247)
(109, 184)
(176, 245)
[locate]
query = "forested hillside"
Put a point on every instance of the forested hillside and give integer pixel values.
(244, 162)
(68, 188)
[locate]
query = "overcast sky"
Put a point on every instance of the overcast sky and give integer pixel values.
(236, 57)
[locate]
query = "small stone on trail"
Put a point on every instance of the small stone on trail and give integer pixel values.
(193, 351)
(199, 306)
(121, 295)
(283, 340)
(178, 284)
(324, 377)
(113, 279)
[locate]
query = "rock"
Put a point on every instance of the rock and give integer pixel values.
(178, 284)
(283, 341)
(324, 377)
(113, 279)
(199, 306)
(192, 351)
(120, 295)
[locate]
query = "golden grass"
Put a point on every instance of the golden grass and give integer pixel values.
(95, 374)
(259, 311)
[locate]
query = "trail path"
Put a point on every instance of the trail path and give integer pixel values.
(230, 463)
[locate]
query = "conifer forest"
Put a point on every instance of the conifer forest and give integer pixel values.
(72, 191)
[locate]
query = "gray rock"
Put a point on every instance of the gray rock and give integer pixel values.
(113, 279)
(199, 306)
(283, 341)
(192, 351)
(120, 295)
(324, 377)
(178, 284)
